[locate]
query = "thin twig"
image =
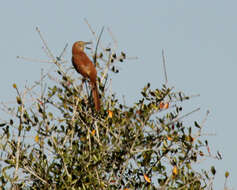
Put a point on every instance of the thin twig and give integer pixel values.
(19, 134)
(113, 38)
(45, 44)
(179, 118)
(205, 118)
(92, 31)
(110, 93)
(164, 66)
(63, 52)
(106, 69)
(97, 130)
(34, 174)
(73, 118)
(96, 48)
(33, 60)
(62, 157)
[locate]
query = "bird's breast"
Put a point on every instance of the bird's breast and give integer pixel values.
(83, 65)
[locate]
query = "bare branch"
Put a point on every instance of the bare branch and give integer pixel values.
(180, 118)
(164, 66)
(45, 44)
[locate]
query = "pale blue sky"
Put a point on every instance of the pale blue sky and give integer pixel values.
(199, 39)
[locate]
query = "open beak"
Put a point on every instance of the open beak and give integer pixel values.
(87, 43)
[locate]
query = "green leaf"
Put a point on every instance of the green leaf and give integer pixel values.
(213, 170)
(2, 124)
(227, 174)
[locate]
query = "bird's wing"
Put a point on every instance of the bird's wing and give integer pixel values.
(82, 64)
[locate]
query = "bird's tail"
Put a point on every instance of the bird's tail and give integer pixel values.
(95, 95)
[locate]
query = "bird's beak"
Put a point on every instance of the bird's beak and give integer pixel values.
(86, 43)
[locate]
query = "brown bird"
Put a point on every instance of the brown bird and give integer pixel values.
(86, 68)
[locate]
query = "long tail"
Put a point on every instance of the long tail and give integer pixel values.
(95, 95)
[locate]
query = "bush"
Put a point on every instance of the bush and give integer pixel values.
(58, 141)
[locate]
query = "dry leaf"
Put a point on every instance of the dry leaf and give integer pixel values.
(166, 106)
(201, 153)
(175, 170)
(93, 132)
(147, 178)
(162, 105)
(37, 138)
(110, 113)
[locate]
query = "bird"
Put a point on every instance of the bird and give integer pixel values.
(86, 68)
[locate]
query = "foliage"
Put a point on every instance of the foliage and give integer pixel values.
(58, 141)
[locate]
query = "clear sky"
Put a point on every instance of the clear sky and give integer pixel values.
(199, 39)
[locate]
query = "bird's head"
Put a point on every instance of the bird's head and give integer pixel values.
(79, 46)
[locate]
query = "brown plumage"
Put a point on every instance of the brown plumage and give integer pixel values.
(86, 68)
